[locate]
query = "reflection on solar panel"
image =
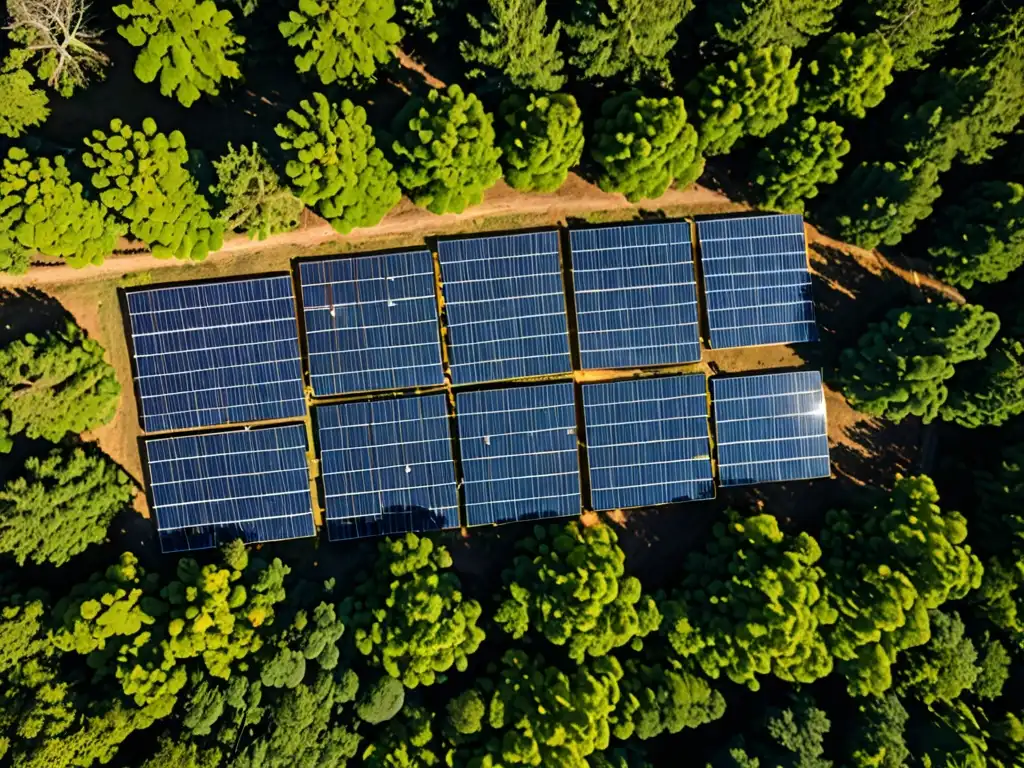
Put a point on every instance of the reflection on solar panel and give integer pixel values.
(248, 484)
(505, 306)
(770, 428)
(757, 285)
(371, 323)
(519, 455)
(648, 441)
(216, 353)
(387, 467)
(636, 295)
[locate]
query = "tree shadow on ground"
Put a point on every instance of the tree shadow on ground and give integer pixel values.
(29, 310)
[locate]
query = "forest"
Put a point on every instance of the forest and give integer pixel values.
(878, 633)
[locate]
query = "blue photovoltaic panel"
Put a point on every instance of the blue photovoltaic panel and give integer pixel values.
(756, 281)
(636, 295)
(248, 484)
(505, 306)
(216, 353)
(770, 428)
(387, 467)
(371, 323)
(519, 453)
(648, 441)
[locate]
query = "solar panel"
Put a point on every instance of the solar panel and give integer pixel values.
(636, 295)
(371, 323)
(505, 306)
(216, 353)
(770, 428)
(648, 441)
(756, 281)
(387, 467)
(248, 484)
(519, 453)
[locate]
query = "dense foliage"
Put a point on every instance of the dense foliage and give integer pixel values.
(541, 139)
(797, 159)
(22, 104)
(253, 199)
(517, 40)
(758, 23)
(849, 76)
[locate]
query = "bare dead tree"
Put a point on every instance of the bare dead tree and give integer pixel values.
(58, 32)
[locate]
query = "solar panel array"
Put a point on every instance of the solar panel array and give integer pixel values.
(211, 488)
(770, 427)
(756, 281)
(387, 467)
(519, 453)
(505, 307)
(648, 441)
(636, 295)
(216, 353)
(371, 323)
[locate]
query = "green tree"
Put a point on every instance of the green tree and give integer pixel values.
(190, 44)
(944, 667)
(142, 175)
(58, 506)
(657, 699)
(760, 23)
(42, 211)
(980, 236)
(643, 145)
(888, 565)
(381, 701)
(630, 39)
(177, 754)
(915, 29)
(798, 736)
(541, 140)
(344, 40)
(444, 150)
(53, 385)
(335, 166)
(989, 391)
(253, 199)
(993, 668)
(311, 637)
(901, 365)
(22, 105)
(406, 742)
(798, 158)
(515, 40)
(749, 95)
(751, 605)
(878, 736)
(849, 75)
(466, 712)
(570, 586)
(409, 616)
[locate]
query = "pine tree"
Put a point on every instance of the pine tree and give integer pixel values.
(761, 23)
(190, 44)
(515, 40)
(335, 166)
(747, 96)
(41, 211)
(657, 699)
(541, 140)
(988, 392)
(914, 29)
(444, 151)
(22, 105)
(943, 668)
(643, 145)
(142, 176)
(849, 75)
(798, 158)
(254, 201)
(343, 40)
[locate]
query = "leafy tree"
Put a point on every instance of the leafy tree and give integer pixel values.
(381, 701)
(53, 385)
(887, 567)
(22, 105)
(42, 211)
(630, 39)
(541, 139)
(190, 44)
(799, 157)
(466, 712)
(1000, 598)
(878, 738)
(751, 605)
(989, 391)
(849, 76)
(749, 95)
(945, 666)
(980, 237)
(618, 758)
(643, 145)
(60, 505)
(142, 176)
(998, 522)
(993, 668)
(571, 587)
(799, 732)
(515, 40)
(915, 29)
(405, 743)
(900, 366)
(254, 201)
(760, 23)
(656, 700)
(177, 754)
(409, 616)
(311, 637)
(444, 150)
(335, 166)
(344, 40)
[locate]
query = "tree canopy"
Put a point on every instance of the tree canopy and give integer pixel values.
(914, 29)
(517, 40)
(253, 199)
(849, 76)
(988, 391)
(22, 105)
(759, 23)
(797, 159)
(541, 139)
